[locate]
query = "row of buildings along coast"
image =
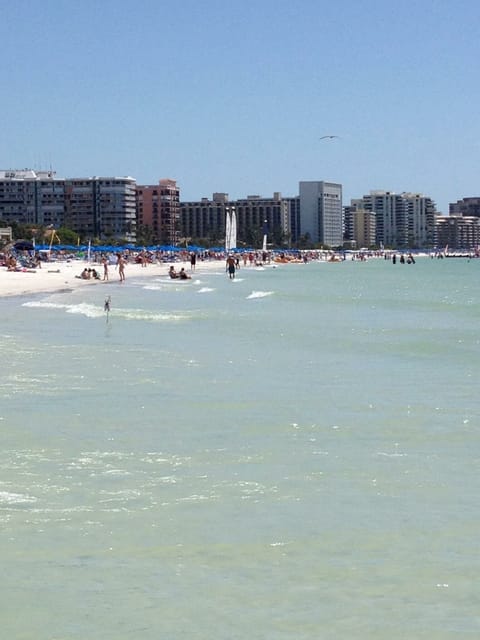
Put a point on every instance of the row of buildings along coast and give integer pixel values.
(108, 208)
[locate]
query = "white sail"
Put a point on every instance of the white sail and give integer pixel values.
(230, 230)
(264, 245)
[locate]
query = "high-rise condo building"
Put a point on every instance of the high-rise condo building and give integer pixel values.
(32, 197)
(321, 212)
(402, 220)
(93, 207)
(101, 207)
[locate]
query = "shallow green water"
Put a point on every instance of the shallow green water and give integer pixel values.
(292, 455)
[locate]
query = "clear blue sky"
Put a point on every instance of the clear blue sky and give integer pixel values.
(234, 96)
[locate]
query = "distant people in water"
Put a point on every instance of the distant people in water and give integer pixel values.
(183, 275)
(172, 273)
(408, 260)
(230, 267)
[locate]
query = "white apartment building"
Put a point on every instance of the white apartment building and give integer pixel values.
(402, 220)
(321, 212)
(96, 207)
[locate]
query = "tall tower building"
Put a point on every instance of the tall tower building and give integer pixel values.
(391, 217)
(321, 212)
(421, 212)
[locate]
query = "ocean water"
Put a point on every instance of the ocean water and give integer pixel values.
(291, 455)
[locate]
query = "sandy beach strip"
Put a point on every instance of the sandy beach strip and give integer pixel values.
(58, 276)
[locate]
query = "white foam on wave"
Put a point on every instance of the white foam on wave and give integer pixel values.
(15, 498)
(195, 497)
(259, 294)
(83, 308)
(170, 283)
(206, 290)
(87, 310)
(44, 305)
(139, 314)
(153, 287)
(116, 472)
(94, 311)
(160, 284)
(391, 455)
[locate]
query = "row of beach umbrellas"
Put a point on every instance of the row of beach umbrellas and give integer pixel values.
(26, 245)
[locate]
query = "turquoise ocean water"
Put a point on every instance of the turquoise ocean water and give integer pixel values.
(293, 455)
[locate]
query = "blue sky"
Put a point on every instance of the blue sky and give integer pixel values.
(234, 96)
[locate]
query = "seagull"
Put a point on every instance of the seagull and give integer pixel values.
(324, 137)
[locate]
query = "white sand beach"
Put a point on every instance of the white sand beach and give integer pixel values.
(55, 276)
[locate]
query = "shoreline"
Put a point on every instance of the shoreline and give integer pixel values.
(55, 277)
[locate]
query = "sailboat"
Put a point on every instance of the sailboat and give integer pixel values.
(265, 257)
(230, 230)
(265, 230)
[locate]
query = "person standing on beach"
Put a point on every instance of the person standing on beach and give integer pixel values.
(193, 260)
(231, 267)
(121, 267)
(105, 267)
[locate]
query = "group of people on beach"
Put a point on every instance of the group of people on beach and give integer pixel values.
(20, 262)
(89, 274)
